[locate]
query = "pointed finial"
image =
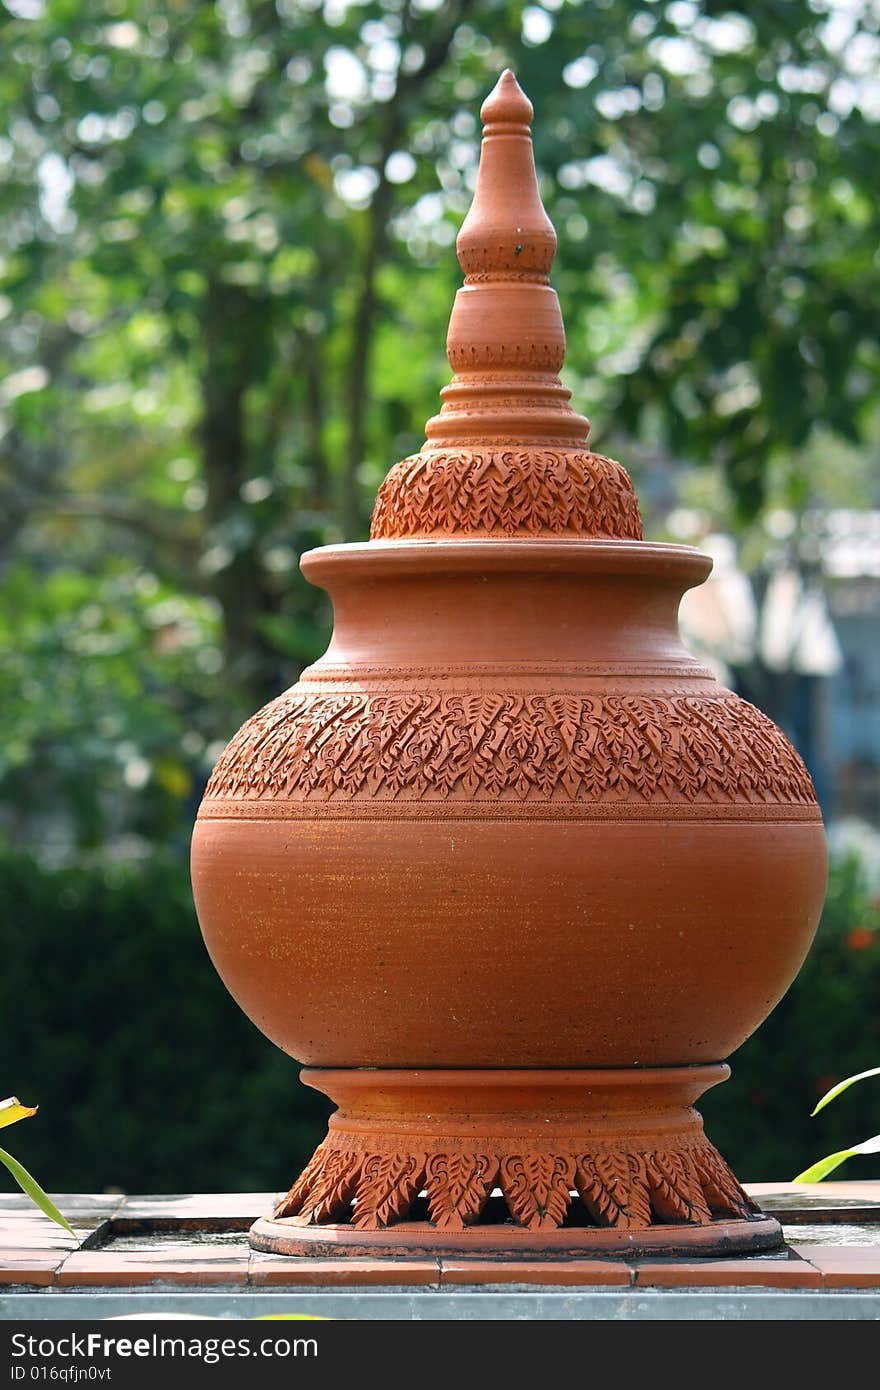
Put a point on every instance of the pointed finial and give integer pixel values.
(506, 455)
(507, 103)
(507, 228)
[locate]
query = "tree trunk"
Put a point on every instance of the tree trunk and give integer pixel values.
(359, 359)
(230, 558)
(393, 137)
(314, 412)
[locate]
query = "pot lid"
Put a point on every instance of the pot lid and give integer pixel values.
(506, 455)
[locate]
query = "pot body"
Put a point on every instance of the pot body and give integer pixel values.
(507, 821)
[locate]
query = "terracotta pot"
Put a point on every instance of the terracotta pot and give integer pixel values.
(507, 825)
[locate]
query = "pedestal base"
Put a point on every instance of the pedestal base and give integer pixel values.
(515, 1163)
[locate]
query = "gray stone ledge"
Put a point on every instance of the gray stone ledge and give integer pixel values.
(489, 1303)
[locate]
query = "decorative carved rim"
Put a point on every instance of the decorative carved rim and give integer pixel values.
(679, 675)
(554, 812)
(510, 749)
(508, 492)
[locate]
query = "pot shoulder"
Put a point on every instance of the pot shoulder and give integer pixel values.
(531, 741)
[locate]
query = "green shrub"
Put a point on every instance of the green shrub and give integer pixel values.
(827, 1027)
(149, 1076)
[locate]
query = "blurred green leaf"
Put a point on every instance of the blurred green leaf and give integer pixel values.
(32, 1189)
(842, 1086)
(820, 1170)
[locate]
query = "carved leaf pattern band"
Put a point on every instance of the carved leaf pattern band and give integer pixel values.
(631, 1191)
(588, 749)
(510, 492)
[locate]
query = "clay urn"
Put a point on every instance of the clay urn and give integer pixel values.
(507, 868)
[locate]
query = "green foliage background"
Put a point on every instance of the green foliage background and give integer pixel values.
(226, 264)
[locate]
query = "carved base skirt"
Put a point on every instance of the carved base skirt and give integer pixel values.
(510, 1163)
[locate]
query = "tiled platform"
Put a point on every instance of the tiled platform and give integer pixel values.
(197, 1245)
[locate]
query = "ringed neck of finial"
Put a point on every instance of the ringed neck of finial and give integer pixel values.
(515, 128)
(527, 407)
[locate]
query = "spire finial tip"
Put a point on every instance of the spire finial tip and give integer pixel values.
(507, 103)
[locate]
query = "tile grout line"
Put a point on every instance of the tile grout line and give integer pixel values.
(93, 1240)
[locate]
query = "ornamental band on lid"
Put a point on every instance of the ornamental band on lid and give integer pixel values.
(507, 868)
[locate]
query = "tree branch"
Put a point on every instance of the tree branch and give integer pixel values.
(377, 247)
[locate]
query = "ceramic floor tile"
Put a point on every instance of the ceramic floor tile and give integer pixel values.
(188, 1206)
(559, 1272)
(763, 1273)
(194, 1265)
(22, 1266)
(295, 1270)
(844, 1266)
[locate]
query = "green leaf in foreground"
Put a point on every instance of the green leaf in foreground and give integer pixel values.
(32, 1188)
(842, 1086)
(827, 1165)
